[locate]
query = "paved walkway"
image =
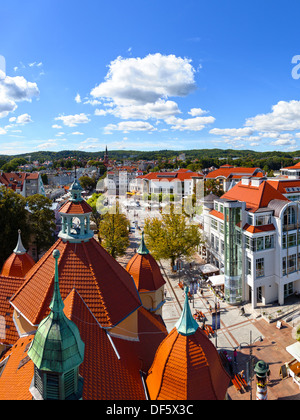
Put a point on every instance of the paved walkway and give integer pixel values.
(235, 333)
(235, 329)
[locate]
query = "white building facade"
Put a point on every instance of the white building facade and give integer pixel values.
(253, 235)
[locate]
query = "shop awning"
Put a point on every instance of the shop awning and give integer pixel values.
(209, 269)
(217, 280)
(294, 350)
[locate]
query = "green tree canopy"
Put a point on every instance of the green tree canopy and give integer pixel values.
(114, 233)
(13, 216)
(87, 182)
(171, 237)
(42, 221)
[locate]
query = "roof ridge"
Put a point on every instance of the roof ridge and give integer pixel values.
(95, 278)
(36, 266)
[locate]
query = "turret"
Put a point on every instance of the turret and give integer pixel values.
(57, 351)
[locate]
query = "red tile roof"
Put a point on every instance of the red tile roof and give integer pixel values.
(230, 172)
(180, 175)
(15, 180)
(254, 197)
(75, 208)
(217, 214)
(282, 184)
(259, 229)
(187, 368)
(16, 377)
(17, 265)
(103, 283)
(111, 367)
(145, 272)
(296, 166)
(106, 377)
(8, 287)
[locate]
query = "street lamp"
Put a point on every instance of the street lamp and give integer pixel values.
(250, 370)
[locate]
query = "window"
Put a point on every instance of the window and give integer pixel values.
(288, 289)
(284, 266)
(259, 244)
(216, 206)
(269, 241)
(289, 265)
(260, 270)
(221, 227)
(214, 224)
(289, 217)
(222, 247)
(248, 267)
(263, 220)
(212, 239)
(217, 244)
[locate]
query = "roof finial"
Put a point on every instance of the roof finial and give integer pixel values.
(143, 250)
(56, 304)
(186, 325)
(19, 249)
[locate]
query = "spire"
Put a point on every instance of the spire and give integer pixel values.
(75, 190)
(57, 346)
(56, 304)
(186, 325)
(19, 249)
(142, 248)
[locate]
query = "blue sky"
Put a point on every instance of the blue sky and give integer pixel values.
(149, 75)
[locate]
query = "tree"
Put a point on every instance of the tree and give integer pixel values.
(171, 237)
(213, 186)
(96, 201)
(114, 233)
(87, 182)
(42, 221)
(13, 216)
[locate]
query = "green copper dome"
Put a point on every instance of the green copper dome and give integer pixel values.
(76, 190)
(186, 325)
(142, 248)
(57, 345)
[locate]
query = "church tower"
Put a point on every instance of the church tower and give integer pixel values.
(105, 160)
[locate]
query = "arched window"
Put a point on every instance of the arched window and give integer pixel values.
(289, 217)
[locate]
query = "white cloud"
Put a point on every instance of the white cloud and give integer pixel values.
(140, 87)
(56, 126)
(73, 120)
(144, 80)
(191, 124)
(93, 102)
(127, 126)
(23, 119)
(232, 131)
(285, 116)
(284, 142)
(77, 133)
(14, 90)
(2, 131)
(197, 112)
(161, 109)
(78, 98)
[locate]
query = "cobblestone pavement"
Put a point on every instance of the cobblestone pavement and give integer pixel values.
(234, 330)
